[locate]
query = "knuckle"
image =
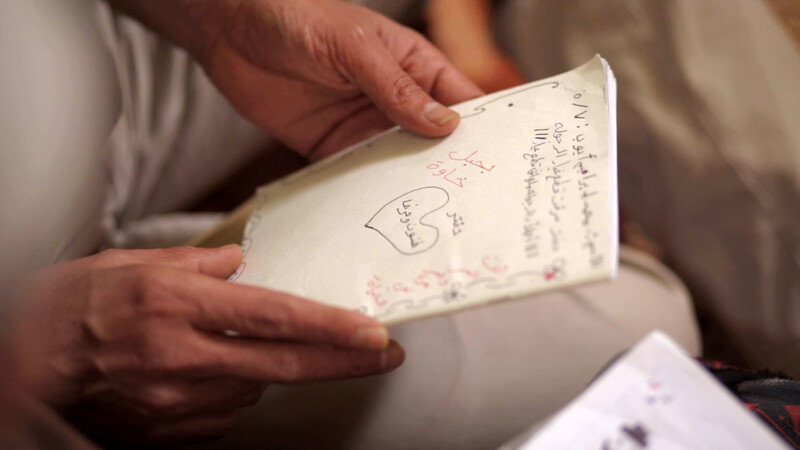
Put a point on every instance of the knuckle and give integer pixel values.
(142, 274)
(178, 364)
(356, 35)
(182, 252)
(318, 44)
(97, 316)
(148, 356)
(96, 327)
(345, 44)
(281, 314)
(112, 257)
(159, 402)
(348, 35)
(109, 254)
(151, 293)
(401, 90)
(149, 348)
(289, 368)
(166, 353)
(276, 319)
(109, 313)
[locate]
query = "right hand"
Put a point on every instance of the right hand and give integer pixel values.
(134, 342)
(322, 74)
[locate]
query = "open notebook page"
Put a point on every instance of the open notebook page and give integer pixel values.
(654, 397)
(521, 198)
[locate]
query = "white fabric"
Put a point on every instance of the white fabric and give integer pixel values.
(59, 103)
(177, 139)
(474, 379)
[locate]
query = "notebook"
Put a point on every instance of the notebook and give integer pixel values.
(521, 198)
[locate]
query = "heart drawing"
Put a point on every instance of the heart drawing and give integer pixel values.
(401, 220)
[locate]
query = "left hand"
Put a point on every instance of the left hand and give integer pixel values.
(131, 344)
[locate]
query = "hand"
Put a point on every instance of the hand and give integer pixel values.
(317, 74)
(321, 74)
(135, 342)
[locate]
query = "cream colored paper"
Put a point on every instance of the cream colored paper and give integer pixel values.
(521, 198)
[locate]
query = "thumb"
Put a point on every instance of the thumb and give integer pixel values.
(398, 96)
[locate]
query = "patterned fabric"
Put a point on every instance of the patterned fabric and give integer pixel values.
(773, 397)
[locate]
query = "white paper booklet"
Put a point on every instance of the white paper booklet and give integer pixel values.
(521, 198)
(655, 397)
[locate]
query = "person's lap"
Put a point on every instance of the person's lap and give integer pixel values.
(476, 378)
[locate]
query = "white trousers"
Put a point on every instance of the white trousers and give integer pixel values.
(475, 379)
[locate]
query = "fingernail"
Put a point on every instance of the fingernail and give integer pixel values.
(392, 357)
(438, 114)
(370, 337)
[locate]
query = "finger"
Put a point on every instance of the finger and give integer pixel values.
(297, 363)
(361, 125)
(255, 312)
(394, 92)
(216, 262)
(451, 86)
(143, 400)
(190, 430)
(110, 430)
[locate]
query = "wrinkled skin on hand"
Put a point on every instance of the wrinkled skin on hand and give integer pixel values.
(322, 74)
(133, 343)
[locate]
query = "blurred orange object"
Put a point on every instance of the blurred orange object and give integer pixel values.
(788, 11)
(462, 30)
